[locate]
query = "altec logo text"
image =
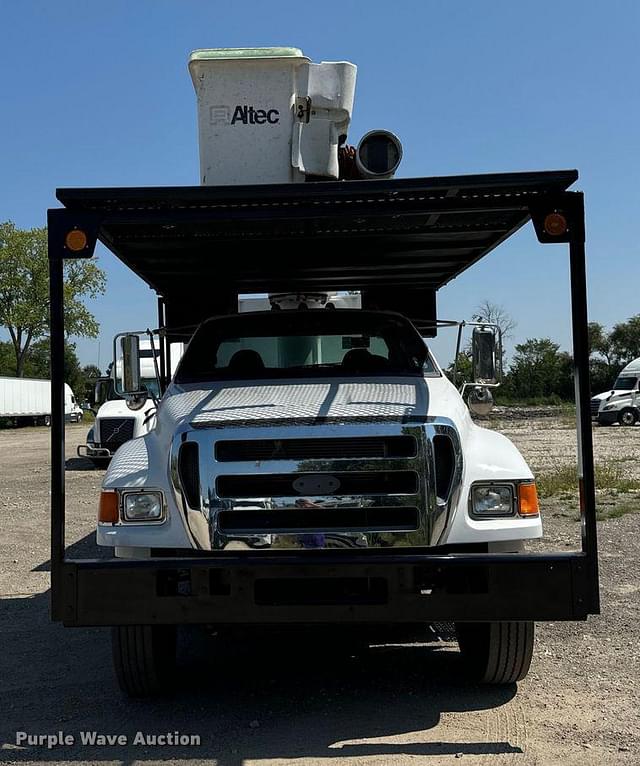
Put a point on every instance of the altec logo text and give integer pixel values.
(247, 115)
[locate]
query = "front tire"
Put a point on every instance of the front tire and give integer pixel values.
(627, 417)
(144, 658)
(496, 652)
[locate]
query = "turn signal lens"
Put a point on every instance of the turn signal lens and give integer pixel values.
(76, 240)
(528, 500)
(108, 511)
(555, 224)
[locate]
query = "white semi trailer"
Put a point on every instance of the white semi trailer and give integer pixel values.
(312, 464)
(27, 401)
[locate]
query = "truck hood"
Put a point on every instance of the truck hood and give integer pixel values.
(605, 395)
(300, 402)
(117, 408)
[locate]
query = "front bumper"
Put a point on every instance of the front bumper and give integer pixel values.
(90, 451)
(385, 587)
(608, 418)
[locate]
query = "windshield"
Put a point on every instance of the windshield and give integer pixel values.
(304, 343)
(625, 383)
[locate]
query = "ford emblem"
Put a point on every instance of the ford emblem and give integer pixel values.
(316, 484)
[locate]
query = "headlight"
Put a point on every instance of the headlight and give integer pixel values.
(142, 506)
(488, 500)
(609, 406)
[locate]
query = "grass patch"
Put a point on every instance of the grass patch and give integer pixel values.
(602, 514)
(609, 475)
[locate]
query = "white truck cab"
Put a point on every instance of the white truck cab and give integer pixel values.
(116, 422)
(622, 403)
(280, 405)
(72, 410)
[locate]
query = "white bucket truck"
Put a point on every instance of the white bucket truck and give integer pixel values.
(311, 464)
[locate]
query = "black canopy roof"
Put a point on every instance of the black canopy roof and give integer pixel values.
(398, 241)
(418, 232)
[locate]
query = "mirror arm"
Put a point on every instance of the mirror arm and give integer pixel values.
(155, 365)
(455, 359)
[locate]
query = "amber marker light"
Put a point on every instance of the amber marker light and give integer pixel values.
(555, 224)
(109, 511)
(528, 500)
(76, 240)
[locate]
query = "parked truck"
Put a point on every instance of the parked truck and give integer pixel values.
(116, 422)
(621, 404)
(27, 401)
(310, 464)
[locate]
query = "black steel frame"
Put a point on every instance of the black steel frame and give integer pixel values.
(419, 585)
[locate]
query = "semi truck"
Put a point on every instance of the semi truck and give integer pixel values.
(115, 422)
(622, 403)
(312, 465)
(27, 401)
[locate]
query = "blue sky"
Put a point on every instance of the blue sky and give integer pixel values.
(98, 94)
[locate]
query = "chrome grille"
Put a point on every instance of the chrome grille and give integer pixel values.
(365, 485)
(115, 431)
(307, 449)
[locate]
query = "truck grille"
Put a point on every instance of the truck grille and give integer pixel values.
(376, 486)
(320, 520)
(595, 406)
(115, 431)
(319, 484)
(310, 449)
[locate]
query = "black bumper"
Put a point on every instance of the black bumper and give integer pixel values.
(376, 588)
(608, 418)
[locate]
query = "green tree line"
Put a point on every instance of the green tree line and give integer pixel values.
(24, 307)
(540, 371)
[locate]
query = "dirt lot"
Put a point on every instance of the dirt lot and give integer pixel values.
(275, 701)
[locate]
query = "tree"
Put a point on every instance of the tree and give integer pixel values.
(464, 369)
(539, 369)
(91, 373)
(492, 313)
(24, 291)
(600, 342)
(7, 358)
(625, 339)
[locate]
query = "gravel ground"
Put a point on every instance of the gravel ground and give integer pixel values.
(276, 700)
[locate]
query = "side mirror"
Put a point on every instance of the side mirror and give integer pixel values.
(483, 346)
(130, 345)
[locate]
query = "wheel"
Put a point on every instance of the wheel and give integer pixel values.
(144, 658)
(496, 652)
(627, 417)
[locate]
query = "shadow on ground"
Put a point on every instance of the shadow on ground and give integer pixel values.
(80, 464)
(85, 548)
(252, 696)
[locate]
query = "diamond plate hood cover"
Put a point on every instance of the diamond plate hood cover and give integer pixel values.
(235, 404)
